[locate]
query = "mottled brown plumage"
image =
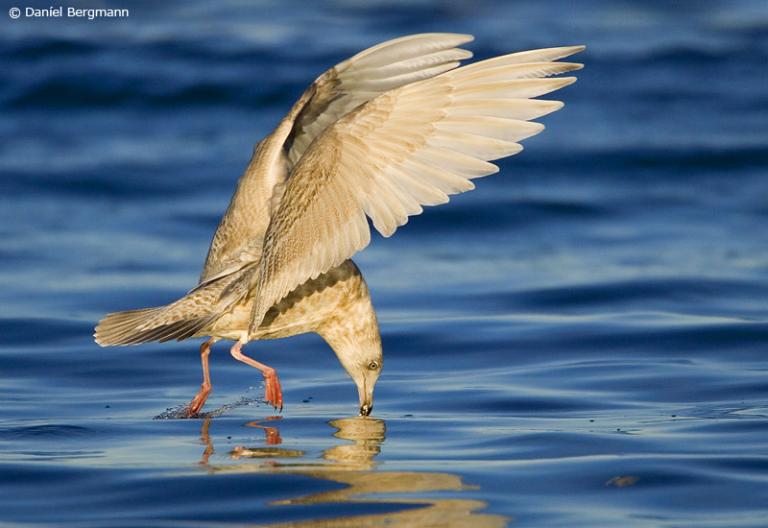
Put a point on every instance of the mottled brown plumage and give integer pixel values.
(396, 127)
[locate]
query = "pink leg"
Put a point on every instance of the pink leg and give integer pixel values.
(205, 389)
(273, 394)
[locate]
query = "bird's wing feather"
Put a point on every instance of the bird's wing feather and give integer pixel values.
(409, 147)
(239, 237)
(368, 74)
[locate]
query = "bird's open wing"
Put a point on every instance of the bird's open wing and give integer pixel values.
(341, 89)
(368, 74)
(409, 147)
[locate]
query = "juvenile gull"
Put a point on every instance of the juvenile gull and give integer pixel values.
(396, 127)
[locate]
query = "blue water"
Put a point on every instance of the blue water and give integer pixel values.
(581, 341)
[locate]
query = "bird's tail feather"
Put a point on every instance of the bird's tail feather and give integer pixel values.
(137, 326)
(181, 319)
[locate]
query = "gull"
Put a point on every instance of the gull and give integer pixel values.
(397, 127)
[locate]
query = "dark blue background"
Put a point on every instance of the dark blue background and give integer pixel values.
(596, 310)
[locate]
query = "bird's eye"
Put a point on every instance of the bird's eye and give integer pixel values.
(373, 365)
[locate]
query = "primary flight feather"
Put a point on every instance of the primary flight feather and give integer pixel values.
(396, 127)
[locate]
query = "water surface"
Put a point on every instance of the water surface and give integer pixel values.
(579, 342)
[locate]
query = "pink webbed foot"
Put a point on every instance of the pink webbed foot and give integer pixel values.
(194, 407)
(273, 393)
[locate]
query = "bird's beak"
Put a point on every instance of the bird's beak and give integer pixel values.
(366, 398)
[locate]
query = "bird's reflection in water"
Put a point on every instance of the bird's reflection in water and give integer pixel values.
(353, 464)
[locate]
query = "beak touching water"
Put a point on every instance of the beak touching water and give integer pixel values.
(365, 390)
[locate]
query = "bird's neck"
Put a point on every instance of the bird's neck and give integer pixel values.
(351, 325)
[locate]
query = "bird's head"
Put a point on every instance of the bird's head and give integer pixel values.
(351, 329)
(359, 351)
(363, 363)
